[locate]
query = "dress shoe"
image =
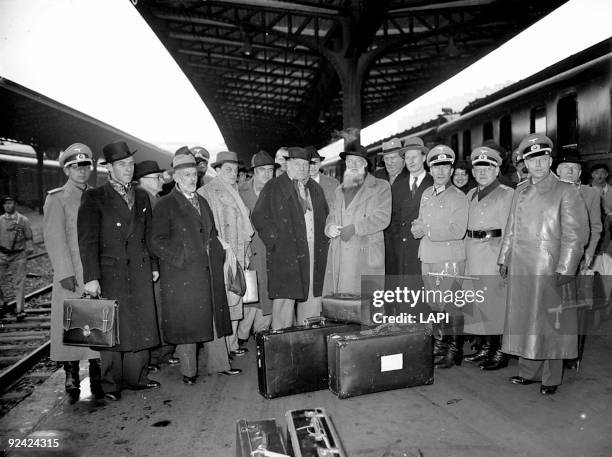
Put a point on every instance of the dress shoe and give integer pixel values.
(113, 396)
(174, 361)
(548, 390)
(231, 372)
(497, 362)
(239, 352)
(153, 368)
(73, 395)
(520, 380)
(151, 384)
(189, 379)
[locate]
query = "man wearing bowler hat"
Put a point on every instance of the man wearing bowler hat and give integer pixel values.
(290, 219)
(114, 224)
(327, 183)
(257, 316)
(543, 244)
(150, 178)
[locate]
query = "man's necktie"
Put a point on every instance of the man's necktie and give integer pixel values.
(302, 192)
(194, 202)
(126, 192)
(413, 187)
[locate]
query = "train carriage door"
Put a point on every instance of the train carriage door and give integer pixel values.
(487, 131)
(467, 144)
(567, 121)
(505, 132)
(537, 120)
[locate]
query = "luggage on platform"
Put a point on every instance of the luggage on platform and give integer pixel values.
(344, 307)
(384, 358)
(258, 438)
(311, 433)
(294, 360)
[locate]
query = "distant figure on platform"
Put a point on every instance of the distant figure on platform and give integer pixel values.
(233, 223)
(194, 305)
(519, 172)
(327, 183)
(15, 246)
(114, 225)
(60, 232)
(599, 181)
(290, 218)
(543, 243)
(149, 177)
(462, 176)
(257, 316)
(361, 211)
(279, 158)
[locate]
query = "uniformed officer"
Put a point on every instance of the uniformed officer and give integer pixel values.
(488, 212)
(60, 233)
(15, 246)
(441, 227)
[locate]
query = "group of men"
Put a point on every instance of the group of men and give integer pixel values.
(168, 260)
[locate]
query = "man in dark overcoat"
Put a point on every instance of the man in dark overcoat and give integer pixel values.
(114, 224)
(290, 219)
(194, 305)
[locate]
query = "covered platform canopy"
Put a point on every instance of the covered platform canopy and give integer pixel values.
(291, 72)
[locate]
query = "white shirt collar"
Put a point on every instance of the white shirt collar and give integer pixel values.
(420, 177)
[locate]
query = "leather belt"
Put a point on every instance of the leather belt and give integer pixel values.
(484, 233)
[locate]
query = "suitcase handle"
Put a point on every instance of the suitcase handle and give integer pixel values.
(315, 320)
(382, 328)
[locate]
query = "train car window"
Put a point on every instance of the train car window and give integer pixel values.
(487, 131)
(454, 142)
(567, 121)
(505, 132)
(537, 121)
(467, 143)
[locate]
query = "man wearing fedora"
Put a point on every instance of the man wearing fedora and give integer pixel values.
(543, 244)
(327, 183)
(290, 218)
(149, 177)
(60, 234)
(194, 305)
(114, 223)
(257, 316)
(359, 214)
(234, 226)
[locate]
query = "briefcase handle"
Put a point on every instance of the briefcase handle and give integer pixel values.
(382, 328)
(314, 320)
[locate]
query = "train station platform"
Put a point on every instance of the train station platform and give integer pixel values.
(466, 412)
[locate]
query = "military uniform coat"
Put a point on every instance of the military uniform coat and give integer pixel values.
(191, 263)
(364, 254)
(279, 219)
(114, 249)
(258, 252)
(546, 233)
(486, 213)
(61, 241)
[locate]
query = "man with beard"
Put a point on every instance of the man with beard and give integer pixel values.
(441, 227)
(361, 211)
(543, 243)
(257, 315)
(290, 218)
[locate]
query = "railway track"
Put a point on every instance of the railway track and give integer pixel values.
(24, 347)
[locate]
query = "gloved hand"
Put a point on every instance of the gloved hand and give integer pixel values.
(347, 232)
(69, 283)
(563, 279)
(503, 271)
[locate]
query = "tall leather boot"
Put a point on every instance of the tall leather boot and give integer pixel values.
(95, 378)
(454, 356)
(483, 352)
(440, 345)
(72, 384)
(497, 358)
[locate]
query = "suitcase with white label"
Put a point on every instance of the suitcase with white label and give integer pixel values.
(384, 358)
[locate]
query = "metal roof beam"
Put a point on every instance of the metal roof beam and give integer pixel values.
(308, 8)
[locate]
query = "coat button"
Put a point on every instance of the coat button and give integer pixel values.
(404, 239)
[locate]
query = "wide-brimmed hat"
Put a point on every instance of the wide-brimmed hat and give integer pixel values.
(295, 152)
(414, 142)
(75, 153)
(146, 167)
(393, 145)
(183, 158)
(225, 157)
(118, 150)
(262, 158)
(354, 149)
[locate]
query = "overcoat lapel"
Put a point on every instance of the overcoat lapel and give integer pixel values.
(290, 193)
(117, 206)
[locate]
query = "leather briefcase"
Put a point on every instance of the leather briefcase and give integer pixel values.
(311, 433)
(91, 322)
(343, 307)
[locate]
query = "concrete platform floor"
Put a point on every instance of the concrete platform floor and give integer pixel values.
(466, 412)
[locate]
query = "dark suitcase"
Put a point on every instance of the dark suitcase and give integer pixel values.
(348, 308)
(294, 360)
(384, 358)
(255, 437)
(311, 433)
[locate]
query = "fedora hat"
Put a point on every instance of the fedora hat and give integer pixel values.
(118, 150)
(296, 152)
(225, 157)
(262, 158)
(414, 142)
(354, 149)
(314, 153)
(146, 167)
(393, 145)
(183, 158)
